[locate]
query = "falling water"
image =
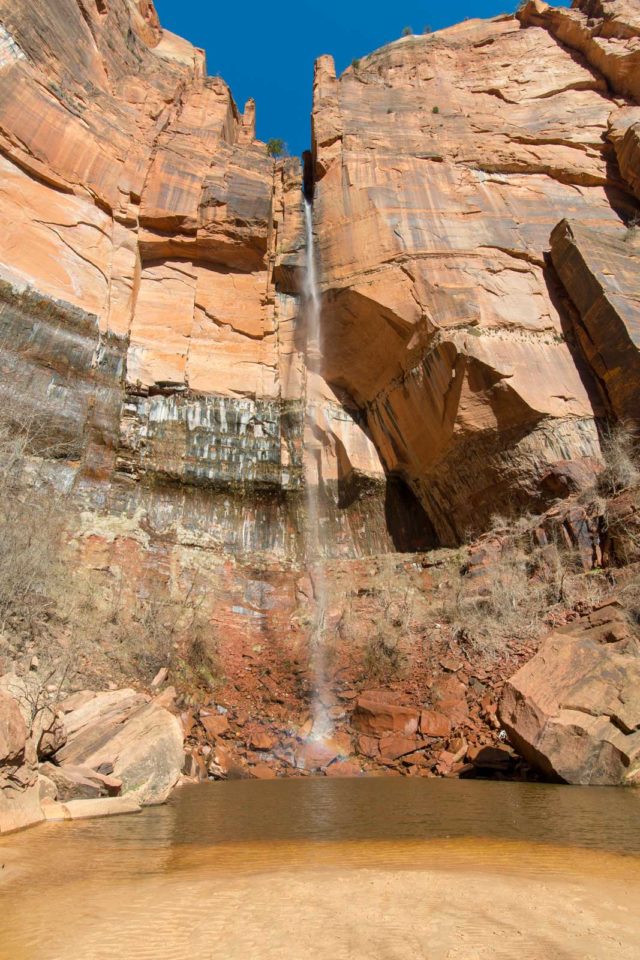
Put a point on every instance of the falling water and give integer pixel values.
(313, 448)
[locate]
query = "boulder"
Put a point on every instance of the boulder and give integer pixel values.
(368, 746)
(119, 733)
(375, 717)
(214, 724)
(13, 730)
(261, 740)
(573, 711)
(47, 789)
(80, 782)
(434, 724)
(262, 771)
(344, 768)
(315, 755)
(394, 747)
(19, 792)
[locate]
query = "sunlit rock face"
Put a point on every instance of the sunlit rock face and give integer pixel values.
(600, 271)
(150, 266)
(149, 257)
(443, 164)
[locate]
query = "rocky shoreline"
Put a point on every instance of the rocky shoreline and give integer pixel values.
(93, 754)
(570, 713)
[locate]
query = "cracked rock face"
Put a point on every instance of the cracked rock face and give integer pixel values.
(573, 711)
(600, 270)
(444, 162)
(143, 229)
(150, 263)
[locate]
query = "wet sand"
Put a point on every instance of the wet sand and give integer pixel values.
(156, 886)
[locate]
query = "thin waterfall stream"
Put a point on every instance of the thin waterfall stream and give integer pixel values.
(322, 725)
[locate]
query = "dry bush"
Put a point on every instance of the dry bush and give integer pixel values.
(383, 657)
(509, 602)
(385, 654)
(620, 454)
(81, 627)
(132, 632)
(32, 523)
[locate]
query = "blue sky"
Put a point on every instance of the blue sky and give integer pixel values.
(266, 50)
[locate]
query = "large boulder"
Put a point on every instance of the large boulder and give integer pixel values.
(120, 734)
(19, 793)
(573, 711)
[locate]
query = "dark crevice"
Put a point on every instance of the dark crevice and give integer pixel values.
(308, 179)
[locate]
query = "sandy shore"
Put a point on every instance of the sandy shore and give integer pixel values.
(483, 901)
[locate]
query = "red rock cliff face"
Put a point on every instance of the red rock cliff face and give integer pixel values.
(142, 227)
(443, 164)
(150, 256)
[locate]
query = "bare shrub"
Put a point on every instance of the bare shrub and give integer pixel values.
(385, 655)
(32, 522)
(620, 455)
(199, 664)
(132, 630)
(509, 602)
(43, 686)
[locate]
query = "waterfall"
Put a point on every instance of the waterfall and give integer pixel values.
(322, 725)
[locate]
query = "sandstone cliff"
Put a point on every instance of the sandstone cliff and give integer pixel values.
(443, 164)
(475, 195)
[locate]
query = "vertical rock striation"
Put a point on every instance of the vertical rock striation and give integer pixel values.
(150, 258)
(443, 163)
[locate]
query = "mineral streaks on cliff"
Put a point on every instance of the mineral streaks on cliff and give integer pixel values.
(443, 163)
(150, 253)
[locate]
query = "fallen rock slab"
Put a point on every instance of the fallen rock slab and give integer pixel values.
(85, 809)
(573, 711)
(376, 717)
(120, 734)
(80, 782)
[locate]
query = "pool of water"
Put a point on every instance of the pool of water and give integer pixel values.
(388, 868)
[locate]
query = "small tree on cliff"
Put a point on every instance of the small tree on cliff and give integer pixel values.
(406, 32)
(275, 147)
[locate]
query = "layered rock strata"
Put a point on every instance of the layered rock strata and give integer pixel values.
(145, 329)
(443, 164)
(151, 264)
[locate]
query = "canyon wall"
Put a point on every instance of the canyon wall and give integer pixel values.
(144, 331)
(443, 163)
(152, 336)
